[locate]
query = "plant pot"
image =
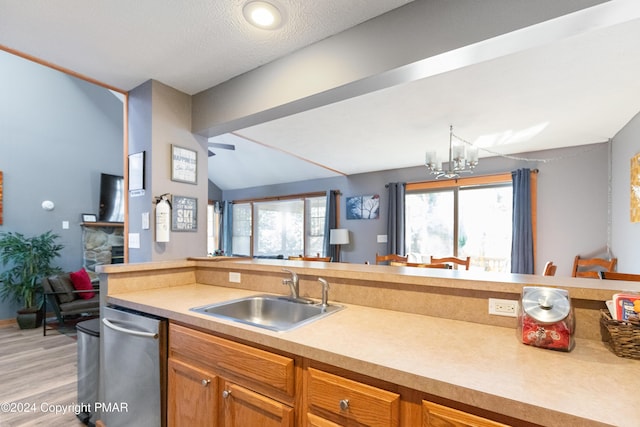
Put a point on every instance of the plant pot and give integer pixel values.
(29, 318)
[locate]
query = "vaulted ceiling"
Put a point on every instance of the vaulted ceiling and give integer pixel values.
(568, 81)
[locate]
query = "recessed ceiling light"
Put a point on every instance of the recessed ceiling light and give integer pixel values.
(262, 15)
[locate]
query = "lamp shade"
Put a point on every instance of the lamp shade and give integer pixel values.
(339, 236)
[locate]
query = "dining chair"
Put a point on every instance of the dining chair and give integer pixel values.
(310, 258)
(420, 265)
(549, 269)
(317, 258)
(390, 258)
(453, 261)
(610, 275)
(589, 267)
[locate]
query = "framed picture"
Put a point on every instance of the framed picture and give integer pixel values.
(136, 171)
(184, 213)
(0, 197)
(363, 207)
(89, 218)
(635, 188)
(184, 164)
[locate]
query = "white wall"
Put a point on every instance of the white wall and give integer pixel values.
(625, 235)
(57, 134)
(159, 117)
(572, 208)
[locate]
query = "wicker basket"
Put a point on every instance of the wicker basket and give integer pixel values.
(623, 337)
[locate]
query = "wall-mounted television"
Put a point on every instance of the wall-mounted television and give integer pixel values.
(111, 198)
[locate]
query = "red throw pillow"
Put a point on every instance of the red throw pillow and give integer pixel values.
(82, 282)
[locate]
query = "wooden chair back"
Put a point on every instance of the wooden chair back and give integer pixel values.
(610, 275)
(592, 266)
(549, 269)
(310, 258)
(420, 265)
(390, 258)
(453, 261)
(317, 258)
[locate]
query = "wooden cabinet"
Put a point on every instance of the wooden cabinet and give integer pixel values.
(434, 415)
(334, 400)
(243, 407)
(265, 372)
(191, 396)
(216, 382)
(316, 421)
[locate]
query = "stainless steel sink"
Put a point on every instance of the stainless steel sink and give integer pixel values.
(272, 312)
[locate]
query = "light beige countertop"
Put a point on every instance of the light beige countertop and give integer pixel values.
(477, 364)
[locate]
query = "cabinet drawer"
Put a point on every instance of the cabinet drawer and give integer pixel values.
(435, 415)
(315, 421)
(236, 360)
(349, 400)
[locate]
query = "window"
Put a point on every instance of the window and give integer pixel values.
(241, 240)
(279, 228)
(461, 220)
(316, 208)
(290, 227)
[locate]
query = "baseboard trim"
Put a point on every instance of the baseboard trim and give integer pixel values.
(7, 322)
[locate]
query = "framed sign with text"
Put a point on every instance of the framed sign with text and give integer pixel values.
(136, 171)
(184, 213)
(184, 165)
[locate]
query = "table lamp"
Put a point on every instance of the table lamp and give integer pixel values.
(339, 236)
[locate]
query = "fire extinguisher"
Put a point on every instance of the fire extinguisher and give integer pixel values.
(163, 218)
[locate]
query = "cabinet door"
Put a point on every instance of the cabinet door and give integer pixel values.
(434, 415)
(191, 396)
(242, 407)
(315, 421)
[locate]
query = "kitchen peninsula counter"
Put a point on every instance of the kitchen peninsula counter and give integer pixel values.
(476, 364)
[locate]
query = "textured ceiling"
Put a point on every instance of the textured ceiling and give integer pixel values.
(189, 45)
(559, 83)
(579, 90)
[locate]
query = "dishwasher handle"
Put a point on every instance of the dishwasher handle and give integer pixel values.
(142, 334)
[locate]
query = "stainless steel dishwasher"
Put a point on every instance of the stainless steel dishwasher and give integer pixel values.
(134, 373)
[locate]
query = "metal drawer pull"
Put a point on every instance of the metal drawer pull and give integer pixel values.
(205, 382)
(226, 393)
(344, 404)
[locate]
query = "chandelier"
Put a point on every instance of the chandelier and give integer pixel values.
(462, 159)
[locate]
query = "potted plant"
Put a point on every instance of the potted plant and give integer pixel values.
(28, 260)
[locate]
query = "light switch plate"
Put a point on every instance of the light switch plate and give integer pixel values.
(382, 238)
(134, 240)
(65, 225)
(234, 277)
(145, 220)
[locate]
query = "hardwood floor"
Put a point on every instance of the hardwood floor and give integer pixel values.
(36, 374)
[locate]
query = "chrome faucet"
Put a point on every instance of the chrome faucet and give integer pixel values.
(293, 283)
(325, 292)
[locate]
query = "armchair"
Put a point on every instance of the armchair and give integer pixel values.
(65, 301)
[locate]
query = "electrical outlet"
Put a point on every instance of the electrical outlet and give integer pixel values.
(234, 277)
(503, 307)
